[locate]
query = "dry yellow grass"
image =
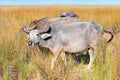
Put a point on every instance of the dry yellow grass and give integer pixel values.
(31, 64)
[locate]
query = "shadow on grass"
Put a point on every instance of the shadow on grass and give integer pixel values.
(81, 57)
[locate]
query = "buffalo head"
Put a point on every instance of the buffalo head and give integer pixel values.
(35, 36)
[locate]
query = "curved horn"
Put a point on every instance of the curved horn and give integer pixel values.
(46, 29)
(24, 28)
(33, 27)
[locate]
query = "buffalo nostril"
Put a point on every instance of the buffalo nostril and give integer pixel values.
(30, 43)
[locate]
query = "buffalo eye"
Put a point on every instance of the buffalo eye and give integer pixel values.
(37, 34)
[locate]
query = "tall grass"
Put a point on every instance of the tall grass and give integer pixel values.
(30, 63)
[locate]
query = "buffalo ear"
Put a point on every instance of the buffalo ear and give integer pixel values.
(45, 36)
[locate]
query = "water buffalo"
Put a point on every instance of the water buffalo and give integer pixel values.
(70, 14)
(73, 37)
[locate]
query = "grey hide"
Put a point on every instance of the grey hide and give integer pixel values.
(73, 37)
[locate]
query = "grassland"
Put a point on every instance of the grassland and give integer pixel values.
(30, 63)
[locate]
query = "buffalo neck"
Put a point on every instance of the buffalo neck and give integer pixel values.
(44, 43)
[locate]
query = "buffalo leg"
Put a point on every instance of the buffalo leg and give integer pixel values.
(56, 54)
(54, 59)
(91, 54)
(64, 57)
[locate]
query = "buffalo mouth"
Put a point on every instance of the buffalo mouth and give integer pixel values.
(30, 43)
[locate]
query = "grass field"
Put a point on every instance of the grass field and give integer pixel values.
(20, 62)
